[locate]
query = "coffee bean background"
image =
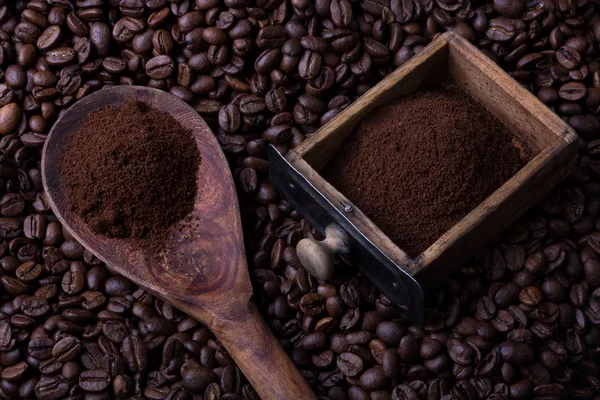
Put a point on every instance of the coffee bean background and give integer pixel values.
(521, 320)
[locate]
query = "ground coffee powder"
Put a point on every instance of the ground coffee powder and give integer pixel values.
(130, 172)
(417, 165)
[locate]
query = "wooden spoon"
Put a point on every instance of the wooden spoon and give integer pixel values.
(204, 273)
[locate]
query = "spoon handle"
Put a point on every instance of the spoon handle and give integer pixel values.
(261, 358)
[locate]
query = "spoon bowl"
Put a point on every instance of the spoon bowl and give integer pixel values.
(202, 269)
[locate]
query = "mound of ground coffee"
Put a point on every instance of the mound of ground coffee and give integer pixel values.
(417, 165)
(130, 172)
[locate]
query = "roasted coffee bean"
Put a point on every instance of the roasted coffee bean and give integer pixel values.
(49, 38)
(341, 12)
(312, 304)
(229, 118)
(460, 352)
(509, 9)
(135, 353)
(270, 36)
(10, 117)
(66, 349)
(162, 42)
(51, 388)
(373, 379)
(126, 28)
(501, 29)
(196, 377)
(276, 100)
(115, 330)
(530, 296)
(41, 348)
(516, 352)
(60, 56)
(160, 67)
(12, 204)
(310, 65)
(568, 57)
(350, 364)
(572, 91)
(15, 372)
(94, 380)
(315, 341)
(26, 32)
(29, 271)
(35, 306)
(117, 286)
(251, 104)
(114, 65)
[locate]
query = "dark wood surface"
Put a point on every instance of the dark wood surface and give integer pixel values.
(204, 273)
(531, 122)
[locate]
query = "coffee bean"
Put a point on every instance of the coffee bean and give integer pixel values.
(60, 56)
(162, 42)
(314, 341)
(29, 271)
(10, 117)
(501, 29)
(214, 35)
(568, 57)
(117, 286)
(125, 29)
(41, 348)
(460, 352)
(251, 104)
(341, 12)
(51, 388)
(35, 306)
(27, 32)
(160, 67)
(549, 391)
(506, 294)
(402, 10)
(94, 380)
(229, 118)
(15, 372)
(430, 348)
(66, 349)
(115, 331)
(516, 352)
(310, 65)
(49, 38)
(350, 364)
(135, 354)
(50, 367)
(196, 377)
(270, 37)
(267, 61)
(114, 65)
(312, 304)
(373, 379)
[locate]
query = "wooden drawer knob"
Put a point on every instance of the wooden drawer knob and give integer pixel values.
(317, 257)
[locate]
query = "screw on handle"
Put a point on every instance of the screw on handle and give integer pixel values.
(317, 257)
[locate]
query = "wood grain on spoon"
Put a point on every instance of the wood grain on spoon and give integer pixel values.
(203, 271)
